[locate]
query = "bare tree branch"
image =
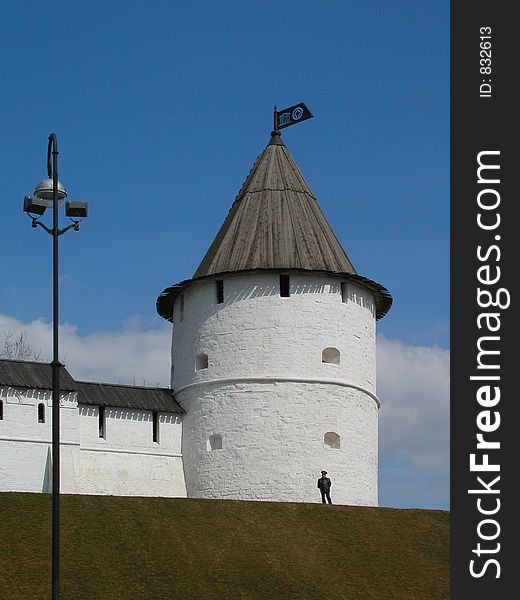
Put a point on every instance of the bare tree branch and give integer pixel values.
(18, 348)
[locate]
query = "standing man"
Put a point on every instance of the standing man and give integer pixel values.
(324, 484)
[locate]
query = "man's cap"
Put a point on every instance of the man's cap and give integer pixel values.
(324, 472)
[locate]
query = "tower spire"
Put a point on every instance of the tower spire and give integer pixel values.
(275, 223)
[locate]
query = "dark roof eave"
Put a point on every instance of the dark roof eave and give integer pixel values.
(38, 376)
(127, 396)
(33, 375)
(383, 298)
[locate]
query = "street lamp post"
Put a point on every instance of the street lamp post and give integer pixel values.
(50, 192)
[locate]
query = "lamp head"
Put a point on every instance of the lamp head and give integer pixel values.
(75, 208)
(45, 188)
(34, 205)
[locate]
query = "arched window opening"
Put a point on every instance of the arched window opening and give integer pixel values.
(215, 442)
(332, 440)
(331, 356)
(41, 413)
(201, 362)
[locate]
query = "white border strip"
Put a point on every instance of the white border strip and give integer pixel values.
(275, 379)
(122, 451)
(82, 448)
(12, 439)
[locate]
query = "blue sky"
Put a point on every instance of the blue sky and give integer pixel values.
(161, 109)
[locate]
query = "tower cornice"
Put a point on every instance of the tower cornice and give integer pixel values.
(382, 297)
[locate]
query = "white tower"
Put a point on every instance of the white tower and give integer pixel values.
(273, 354)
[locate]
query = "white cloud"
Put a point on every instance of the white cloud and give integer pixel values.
(413, 384)
(413, 381)
(132, 354)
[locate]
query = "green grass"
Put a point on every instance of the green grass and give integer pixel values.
(154, 548)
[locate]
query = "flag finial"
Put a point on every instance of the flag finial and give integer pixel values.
(291, 116)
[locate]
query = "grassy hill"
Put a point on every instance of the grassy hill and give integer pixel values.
(154, 548)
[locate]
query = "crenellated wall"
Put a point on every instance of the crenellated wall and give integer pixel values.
(25, 443)
(126, 461)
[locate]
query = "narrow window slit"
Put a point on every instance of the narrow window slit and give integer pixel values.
(155, 427)
(101, 422)
(344, 291)
(220, 291)
(181, 308)
(285, 286)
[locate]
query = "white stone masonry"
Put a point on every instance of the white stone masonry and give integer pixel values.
(126, 461)
(267, 392)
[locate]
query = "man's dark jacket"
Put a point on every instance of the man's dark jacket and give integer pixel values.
(324, 484)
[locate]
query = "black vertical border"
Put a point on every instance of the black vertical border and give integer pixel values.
(479, 124)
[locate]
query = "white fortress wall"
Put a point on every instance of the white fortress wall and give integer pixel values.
(25, 443)
(127, 462)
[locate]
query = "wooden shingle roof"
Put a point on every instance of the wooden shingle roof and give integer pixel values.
(127, 396)
(38, 376)
(275, 223)
(33, 375)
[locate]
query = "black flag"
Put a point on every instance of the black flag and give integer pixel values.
(293, 114)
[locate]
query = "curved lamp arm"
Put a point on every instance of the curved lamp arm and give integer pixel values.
(52, 145)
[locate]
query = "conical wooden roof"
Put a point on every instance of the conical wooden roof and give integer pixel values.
(275, 223)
